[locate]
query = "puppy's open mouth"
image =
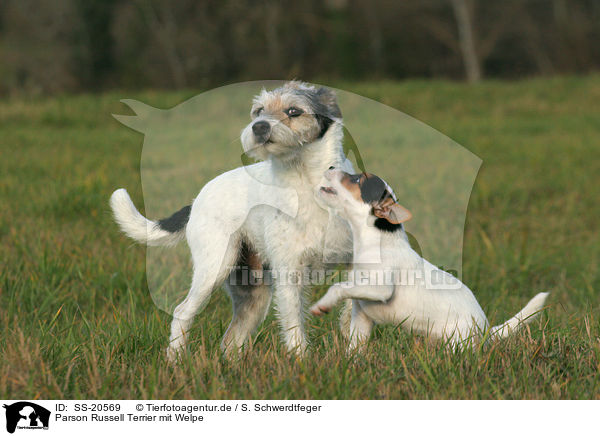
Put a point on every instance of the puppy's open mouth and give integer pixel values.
(328, 190)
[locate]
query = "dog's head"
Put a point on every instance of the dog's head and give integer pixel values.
(287, 118)
(362, 198)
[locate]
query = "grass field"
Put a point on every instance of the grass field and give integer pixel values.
(77, 321)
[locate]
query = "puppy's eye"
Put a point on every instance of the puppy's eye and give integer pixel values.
(355, 179)
(293, 112)
(258, 111)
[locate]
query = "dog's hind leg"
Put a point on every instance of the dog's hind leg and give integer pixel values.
(212, 263)
(250, 308)
(250, 297)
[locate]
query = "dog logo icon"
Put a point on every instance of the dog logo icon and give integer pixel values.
(26, 415)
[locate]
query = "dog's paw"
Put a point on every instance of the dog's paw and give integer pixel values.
(173, 354)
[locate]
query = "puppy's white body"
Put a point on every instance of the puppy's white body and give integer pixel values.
(410, 291)
(444, 313)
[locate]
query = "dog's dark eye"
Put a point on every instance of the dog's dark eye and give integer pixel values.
(293, 112)
(258, 111)
(355, 179)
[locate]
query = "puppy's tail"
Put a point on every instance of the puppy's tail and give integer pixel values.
(167, 231)
(525, 316)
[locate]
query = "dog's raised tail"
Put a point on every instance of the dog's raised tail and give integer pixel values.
(525, 316)
(167, 231)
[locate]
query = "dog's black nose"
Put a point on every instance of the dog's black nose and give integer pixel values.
(261, 128)
(332, 167)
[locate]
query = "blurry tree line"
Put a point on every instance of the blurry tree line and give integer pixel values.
(70, 45)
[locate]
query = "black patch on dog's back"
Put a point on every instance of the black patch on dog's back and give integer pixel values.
(177, 221)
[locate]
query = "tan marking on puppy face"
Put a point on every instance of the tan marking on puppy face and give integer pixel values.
(353, 182)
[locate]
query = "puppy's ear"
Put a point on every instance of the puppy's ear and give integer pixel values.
(391, 211)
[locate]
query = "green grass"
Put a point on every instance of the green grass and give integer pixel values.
(77, 321)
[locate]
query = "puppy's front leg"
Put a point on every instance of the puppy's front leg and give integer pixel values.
(343, 290)
(360, 327)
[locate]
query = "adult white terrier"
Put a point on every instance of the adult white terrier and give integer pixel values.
(392, 283)
(236, 221)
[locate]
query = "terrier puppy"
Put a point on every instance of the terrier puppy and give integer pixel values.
(236, 221)
(392, 283)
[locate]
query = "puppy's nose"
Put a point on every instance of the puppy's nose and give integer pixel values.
(261, 128)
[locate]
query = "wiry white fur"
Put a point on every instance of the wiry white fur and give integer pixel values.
(269, 205)
(450, 312)
(287, 243)
(138, 227)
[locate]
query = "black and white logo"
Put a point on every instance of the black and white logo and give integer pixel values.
(26, 415)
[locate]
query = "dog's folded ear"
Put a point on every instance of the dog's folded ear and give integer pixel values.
(391, 211)
(325, 108)
(328, 99)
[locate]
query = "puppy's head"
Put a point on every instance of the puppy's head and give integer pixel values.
(362, 198)
(287, 118)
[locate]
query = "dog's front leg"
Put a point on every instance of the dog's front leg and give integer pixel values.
(360, 327)
(288, 301)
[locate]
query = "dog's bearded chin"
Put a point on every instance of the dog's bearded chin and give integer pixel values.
(282, 152)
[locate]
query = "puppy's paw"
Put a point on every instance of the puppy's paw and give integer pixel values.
(327, 301)
(319, 309)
